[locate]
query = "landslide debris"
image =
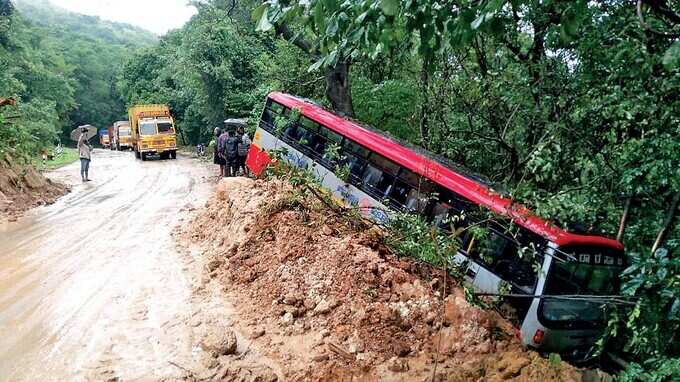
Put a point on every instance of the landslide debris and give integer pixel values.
(329, 302)
(22, 188)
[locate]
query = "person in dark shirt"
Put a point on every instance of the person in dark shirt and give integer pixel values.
(217, 156)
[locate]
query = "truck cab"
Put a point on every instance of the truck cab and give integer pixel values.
(104, 138)
(122, 136)
(153, 131)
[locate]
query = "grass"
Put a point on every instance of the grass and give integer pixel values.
(67, 157)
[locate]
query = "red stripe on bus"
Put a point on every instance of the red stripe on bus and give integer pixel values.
(442, 175)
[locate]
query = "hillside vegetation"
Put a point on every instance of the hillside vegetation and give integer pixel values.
(61, 69)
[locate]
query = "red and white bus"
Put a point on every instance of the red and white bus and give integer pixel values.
(381, 175)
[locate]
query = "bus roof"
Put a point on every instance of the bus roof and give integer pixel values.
(450, 178)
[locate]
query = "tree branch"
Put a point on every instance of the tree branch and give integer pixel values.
(668, 222)
(649, 29)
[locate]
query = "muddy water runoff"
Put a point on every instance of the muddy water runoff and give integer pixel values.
(92, 287)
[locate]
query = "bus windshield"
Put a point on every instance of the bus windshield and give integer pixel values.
(592, 273)
(124, 132)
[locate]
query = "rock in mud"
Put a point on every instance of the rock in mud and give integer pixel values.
(325, 306)
(222, 342)
(288, 319)
(397, 365)
(257, 334)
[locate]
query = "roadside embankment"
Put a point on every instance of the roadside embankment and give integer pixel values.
(327, 301)
(22, 187)
(65, 157)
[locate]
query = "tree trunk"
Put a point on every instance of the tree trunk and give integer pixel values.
(624, 219)
(668, 222)
(338, 88)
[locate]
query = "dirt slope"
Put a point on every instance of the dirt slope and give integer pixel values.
(22, 188)
(327, 302)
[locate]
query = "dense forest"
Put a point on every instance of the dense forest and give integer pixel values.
(61, 69)
(573, 106)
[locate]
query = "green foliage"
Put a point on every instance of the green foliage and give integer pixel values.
(411, 236)
(60, 159)
(215, 67)
(60, 67)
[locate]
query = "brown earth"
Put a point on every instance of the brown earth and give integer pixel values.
(321, 299)
(22, 188)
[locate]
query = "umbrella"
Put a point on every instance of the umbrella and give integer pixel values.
(90, 131)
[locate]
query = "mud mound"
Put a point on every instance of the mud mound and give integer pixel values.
(332, 303)
(22, 188)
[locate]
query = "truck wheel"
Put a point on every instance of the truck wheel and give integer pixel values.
(143, 156)
(173, 154)
(136, 154)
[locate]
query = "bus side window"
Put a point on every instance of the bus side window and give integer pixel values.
(330, 135)
(440, 215)
(501, 255)
(400, 192)
(350, 147)
(270, 112)
(379, 175)
(411, 191)
(356, 166)
(292, 132)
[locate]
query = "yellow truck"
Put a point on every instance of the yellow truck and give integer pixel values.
(122, 138)
(153, 131)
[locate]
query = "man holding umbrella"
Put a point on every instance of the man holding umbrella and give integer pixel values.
(84, 133)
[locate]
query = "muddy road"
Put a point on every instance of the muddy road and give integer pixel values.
(92, 287)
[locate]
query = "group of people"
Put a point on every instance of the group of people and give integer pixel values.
(231, 150)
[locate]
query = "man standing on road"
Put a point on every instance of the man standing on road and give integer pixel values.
(85, 150)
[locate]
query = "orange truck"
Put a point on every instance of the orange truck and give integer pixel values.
(153, 131)
(122, 137)
(104, 138)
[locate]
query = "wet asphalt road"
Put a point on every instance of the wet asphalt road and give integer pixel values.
(90, 287)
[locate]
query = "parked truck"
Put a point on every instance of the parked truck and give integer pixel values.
(122, 136)
(153, 131)
(104, 138)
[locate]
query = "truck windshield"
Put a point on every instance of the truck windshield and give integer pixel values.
(147, 128)
(594, 273)
(165, 127)
(124, 133)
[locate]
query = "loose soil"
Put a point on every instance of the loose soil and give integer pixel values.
(22, 188)
(318, 298)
